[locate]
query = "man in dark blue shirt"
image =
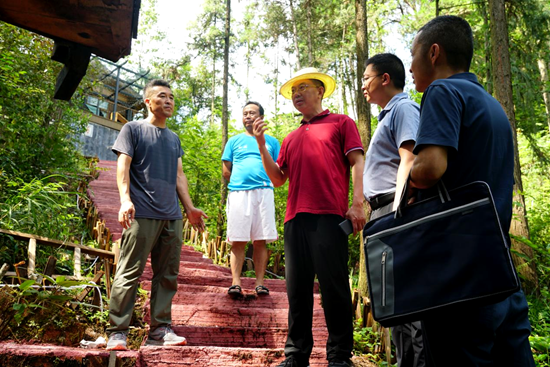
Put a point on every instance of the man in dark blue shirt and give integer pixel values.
(464, 136)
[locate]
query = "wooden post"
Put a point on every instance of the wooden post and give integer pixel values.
(276, 263)
(4, 270)
(77, 263)
(107, 267)
(354, 298)
(186, 230)
(85, 291)
(32, 257)
(50, 268)
(208, 249)
(192, 235)
(223, 252)
(387, 341)
(358, 310)
(369, 319)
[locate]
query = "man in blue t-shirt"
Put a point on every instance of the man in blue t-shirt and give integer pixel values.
(250, 204)
(464, 136)
(387, 165)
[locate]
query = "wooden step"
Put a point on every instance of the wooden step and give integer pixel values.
(48, 355)
(221, 357)
(236, 337)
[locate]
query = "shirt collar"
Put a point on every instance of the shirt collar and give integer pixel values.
(391, 103)
(467, 76)
(318, 117)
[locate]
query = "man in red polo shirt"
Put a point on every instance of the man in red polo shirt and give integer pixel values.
(317, 159)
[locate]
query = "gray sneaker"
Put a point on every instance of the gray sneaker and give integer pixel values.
(164, 336)
(117, 341)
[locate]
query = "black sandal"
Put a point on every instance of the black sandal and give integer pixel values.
(262, 290)
(235, 291)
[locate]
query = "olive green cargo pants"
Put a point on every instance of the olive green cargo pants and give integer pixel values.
(162, 239)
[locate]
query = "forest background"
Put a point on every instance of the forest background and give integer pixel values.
(39, 165)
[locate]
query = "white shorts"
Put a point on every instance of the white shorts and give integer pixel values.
(251, 216)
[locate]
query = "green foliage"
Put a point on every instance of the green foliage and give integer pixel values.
(43, 207)
(35, 130)
(38, 159)
(365, 339)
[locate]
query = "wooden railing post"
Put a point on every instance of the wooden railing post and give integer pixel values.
(77, 263)
(32, 257)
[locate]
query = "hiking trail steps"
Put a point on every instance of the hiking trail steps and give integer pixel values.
(220, 331)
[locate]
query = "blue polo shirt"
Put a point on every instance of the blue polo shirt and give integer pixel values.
(459, 114)
(397, 123)
(248, 171)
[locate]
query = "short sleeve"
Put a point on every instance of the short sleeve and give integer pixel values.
(440, 118)
(351, 137)
(406, 121)
(275, 148)
(228, 151)
(124, 142)
(282, 159)
(181, 153)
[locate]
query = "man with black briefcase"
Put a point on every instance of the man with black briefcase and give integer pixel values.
(465, 136)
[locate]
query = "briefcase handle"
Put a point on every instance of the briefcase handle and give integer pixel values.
(441, 190)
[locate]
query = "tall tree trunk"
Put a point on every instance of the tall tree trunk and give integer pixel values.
(487, 46)
(543, 68)
(309, 36)
(225, 114)
(213, 89)
(363, 111)
(350, 78)
(248, 62)
(342, 84)
(295, 35)
(277, 76)
(502, 83)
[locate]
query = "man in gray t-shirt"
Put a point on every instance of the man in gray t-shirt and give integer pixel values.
(387, 165)
(150, 181)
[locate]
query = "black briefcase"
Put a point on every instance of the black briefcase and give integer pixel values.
(437, 256)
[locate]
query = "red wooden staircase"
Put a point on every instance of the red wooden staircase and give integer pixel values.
(221, 331)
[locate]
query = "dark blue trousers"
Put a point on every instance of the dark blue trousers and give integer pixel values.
(496, 335)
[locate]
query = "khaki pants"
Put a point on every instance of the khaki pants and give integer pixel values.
(162, 239)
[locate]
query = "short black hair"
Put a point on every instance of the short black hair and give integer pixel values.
(257, 104)
(155, 83)
(391, 64)
(454, 35)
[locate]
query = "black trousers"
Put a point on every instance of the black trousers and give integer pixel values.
(407, 338)
(314, 244)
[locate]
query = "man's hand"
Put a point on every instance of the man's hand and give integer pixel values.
(259, 127)
(195, 217)
(357, 216)
(126, 214)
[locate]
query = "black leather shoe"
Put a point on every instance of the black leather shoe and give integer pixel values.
(339, 363)
(289, 362)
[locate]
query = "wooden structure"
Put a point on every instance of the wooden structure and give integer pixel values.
(116, 96)
(110, 258)
(79, 28)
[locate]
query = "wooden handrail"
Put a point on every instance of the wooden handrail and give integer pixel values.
(56, 243)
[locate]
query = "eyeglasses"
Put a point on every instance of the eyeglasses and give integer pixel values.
(302, 88)
(366, 79)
